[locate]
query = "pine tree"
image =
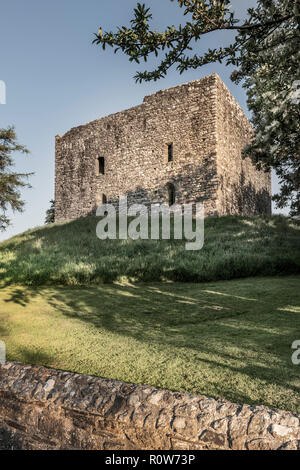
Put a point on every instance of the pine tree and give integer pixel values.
(50, 213)
(10, 181)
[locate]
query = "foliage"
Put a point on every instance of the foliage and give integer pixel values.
(266, 52)
(206, 16)
(10, 182)
(270, 69)
(50, 213)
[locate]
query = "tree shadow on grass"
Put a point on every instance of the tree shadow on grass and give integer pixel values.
(33, 356)
(22, 296)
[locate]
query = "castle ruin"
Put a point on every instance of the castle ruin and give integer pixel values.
(181, 145)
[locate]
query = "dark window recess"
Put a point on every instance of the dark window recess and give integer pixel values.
(104, 199)
(101, 165)
(170, 152)
(172, 196)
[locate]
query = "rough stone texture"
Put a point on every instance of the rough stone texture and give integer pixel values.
(208, 130)
(48, 409)
(242, 189)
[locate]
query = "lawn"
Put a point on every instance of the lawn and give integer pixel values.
(226, 339)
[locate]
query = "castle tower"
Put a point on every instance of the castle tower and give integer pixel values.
(182, 144)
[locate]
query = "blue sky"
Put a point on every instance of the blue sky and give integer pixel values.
(56, 79)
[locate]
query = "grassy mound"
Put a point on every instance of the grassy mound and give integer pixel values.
(71, 254)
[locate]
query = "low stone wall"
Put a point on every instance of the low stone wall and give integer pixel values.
(47, 409)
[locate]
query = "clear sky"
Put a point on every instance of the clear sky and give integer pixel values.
(56, 79)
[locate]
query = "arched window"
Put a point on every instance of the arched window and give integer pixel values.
(171, 194)
(101, 165)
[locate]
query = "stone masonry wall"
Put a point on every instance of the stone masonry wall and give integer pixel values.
(242, 188)
(48, 409)
(134, 144)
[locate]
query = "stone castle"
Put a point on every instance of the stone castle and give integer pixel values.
(181, 145)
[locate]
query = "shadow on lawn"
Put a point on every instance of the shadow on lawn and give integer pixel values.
(21, 296)
(238, 328)
(33, 356)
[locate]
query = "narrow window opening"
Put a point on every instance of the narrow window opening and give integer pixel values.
(170, 152)
(171, 194)
(101, 165)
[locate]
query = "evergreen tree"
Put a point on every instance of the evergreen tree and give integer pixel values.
(10, 181)
(50, 213)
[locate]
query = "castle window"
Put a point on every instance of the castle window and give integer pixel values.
(101, 165)
(170, 152)
(104, 199)
(171, 194)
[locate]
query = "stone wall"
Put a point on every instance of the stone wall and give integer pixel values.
(134, 145)
(47, 409)
(242, 188)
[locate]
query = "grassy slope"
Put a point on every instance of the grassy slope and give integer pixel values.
(71, 254)
(227, 339)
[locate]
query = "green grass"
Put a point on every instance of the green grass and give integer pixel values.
(71, 254)
(227, 339)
